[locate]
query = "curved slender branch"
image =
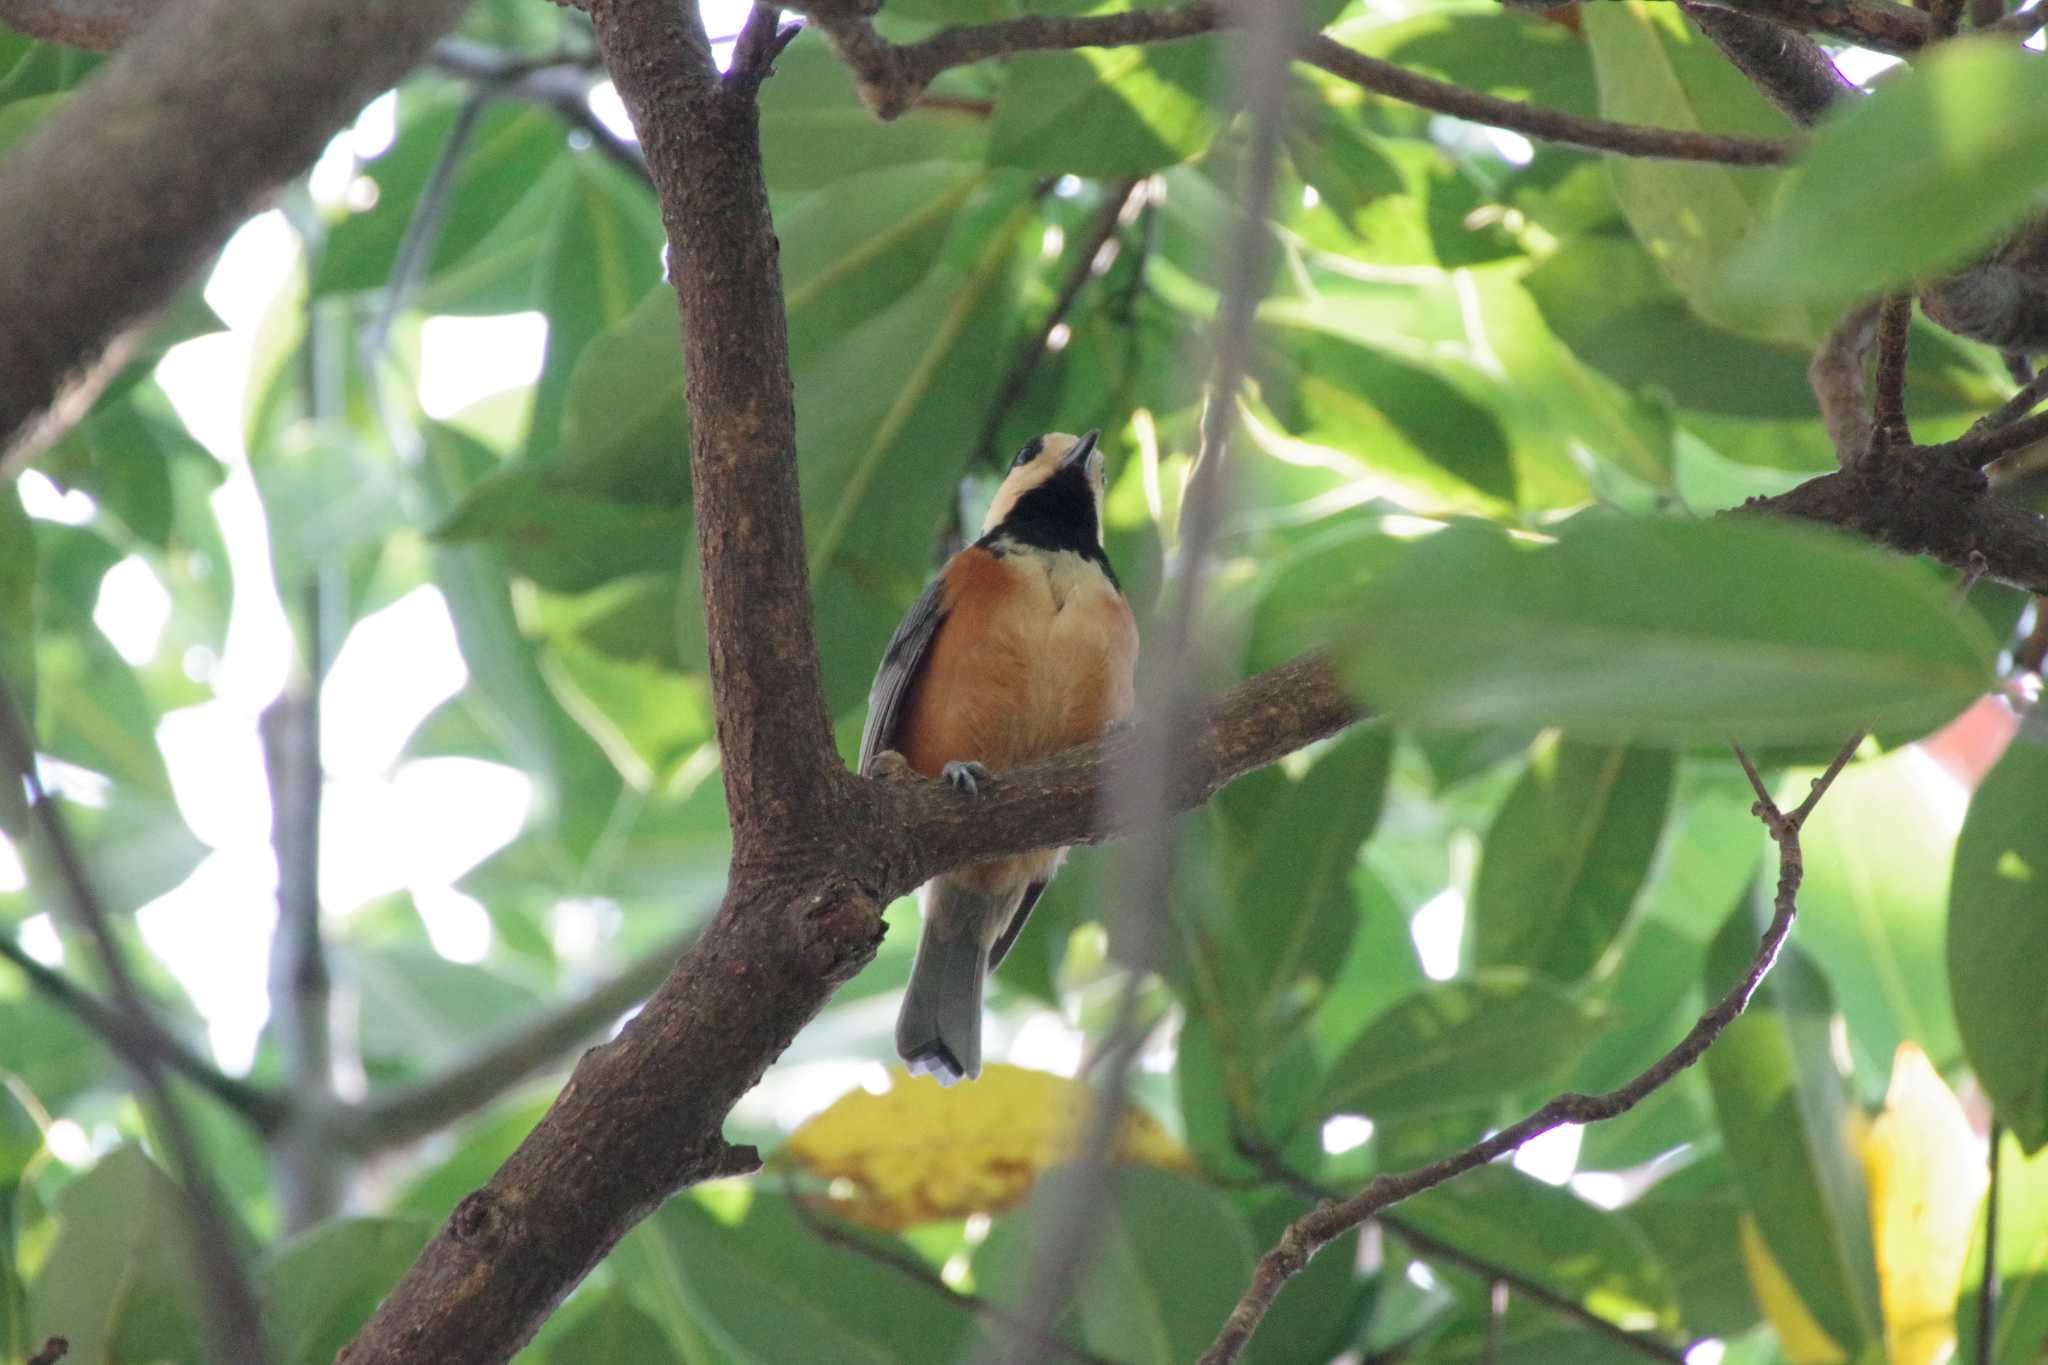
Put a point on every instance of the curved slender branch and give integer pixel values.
(1318, 1227)
(891, 78)
(400, 1115)
(96, 25)
(1880, 25)
(115, 199)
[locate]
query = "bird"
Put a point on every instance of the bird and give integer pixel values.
(1022, 646)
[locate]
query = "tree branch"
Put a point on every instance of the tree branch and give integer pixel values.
(1879, 25)
(96, 25)
(891, 78)
(1318, 1227)
(1888, 413)
(1839, 387)
(112, 202)
(1789, 68)
(389, 1118)
(264, 1109)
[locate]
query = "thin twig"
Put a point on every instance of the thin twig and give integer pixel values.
(264, 1110)
(1172, 690)
(1987, 1287)
(1894, 320)
(54, 1350)
(2032, 391)
(423, 229)
(1274, 1166)
(761, 41)
(389, 1118)
(1978, 448)
(1315, 1229)
(1548, 125)
(233, 1317)
(828, 1230)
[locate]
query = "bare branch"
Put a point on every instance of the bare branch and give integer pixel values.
(1837, 379)
(234, 1319)
(891, 78)
(113, 201)
(389, 1118)
(96, 25)
(760, 42)
(264, 1109)
(1888, 417)
(1879, 25)
(1548, 125)
(1318, 1227)
(1789, 68)
(1987, 1286)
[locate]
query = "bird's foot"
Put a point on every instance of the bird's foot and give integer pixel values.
(890, 766)
(967, 777)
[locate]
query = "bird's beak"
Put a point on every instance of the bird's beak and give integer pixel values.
(1080, 451)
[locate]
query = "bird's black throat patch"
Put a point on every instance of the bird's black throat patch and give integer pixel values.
(1058, 514)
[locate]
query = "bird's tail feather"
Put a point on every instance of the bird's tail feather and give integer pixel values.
(939, 1028)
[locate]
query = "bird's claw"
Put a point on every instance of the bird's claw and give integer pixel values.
(966, 777)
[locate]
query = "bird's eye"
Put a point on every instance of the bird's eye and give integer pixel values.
(1028, 453)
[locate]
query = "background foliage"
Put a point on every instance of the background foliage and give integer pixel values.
(1529, 879)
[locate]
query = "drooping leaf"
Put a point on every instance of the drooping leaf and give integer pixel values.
(1998, 930)
(1567, 855)
(1454, 1044)
(1786, 1123)
(815, 131)
(1872, 906)
(1105, 112)
(1666, 630)
(321, 1287)
(919, 1152)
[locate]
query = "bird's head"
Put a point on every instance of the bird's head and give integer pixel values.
(1056, 479)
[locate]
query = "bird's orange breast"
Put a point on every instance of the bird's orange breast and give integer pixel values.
(1036, 654)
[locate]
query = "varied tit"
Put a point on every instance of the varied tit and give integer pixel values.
(1023, 646)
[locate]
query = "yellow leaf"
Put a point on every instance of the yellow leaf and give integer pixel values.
(1927, 1179)
(1802, 1339)
(918, 1152)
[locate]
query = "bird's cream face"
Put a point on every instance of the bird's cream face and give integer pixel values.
(1041, 460)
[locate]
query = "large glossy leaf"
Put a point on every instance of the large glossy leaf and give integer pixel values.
(767, 1290)
(1669, 630)
(1170, 1258)
(1656, 69)
(1107, 111)
(1785, 1119)
(320, 1288)
(1998, 931)
(1927, 170)
(1549, 1236)
(1873, 906)
(1454, 1044)
(120, 1282)
(1294, 899)
(814, 131)
(1567, 855)
(610, 1327)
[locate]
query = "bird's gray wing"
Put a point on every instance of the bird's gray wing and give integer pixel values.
(900, 664)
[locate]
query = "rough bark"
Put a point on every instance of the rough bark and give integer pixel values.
(112, 203)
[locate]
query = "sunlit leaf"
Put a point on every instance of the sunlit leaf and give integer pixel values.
(1109, 111)
(919, 1152)
(1667, 630)
(320, 1288)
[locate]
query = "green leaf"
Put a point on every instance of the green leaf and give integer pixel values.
(610, 1328)
(1785, 1118)
(1549, 1236)
(1294, 898)
(2021, 1320)
(770, 1291)
(561, 538)
(1694, 1235)
(814, 131)
(1938, 162)
(1693, 217)
(1998, 936)
(1875, 901)
(120, 1283)
(1170, 1258)
(1567, 855)
(510, 149)
(1667, 630)
(1454, 1044)
(321, 1287)
(1106, 112)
